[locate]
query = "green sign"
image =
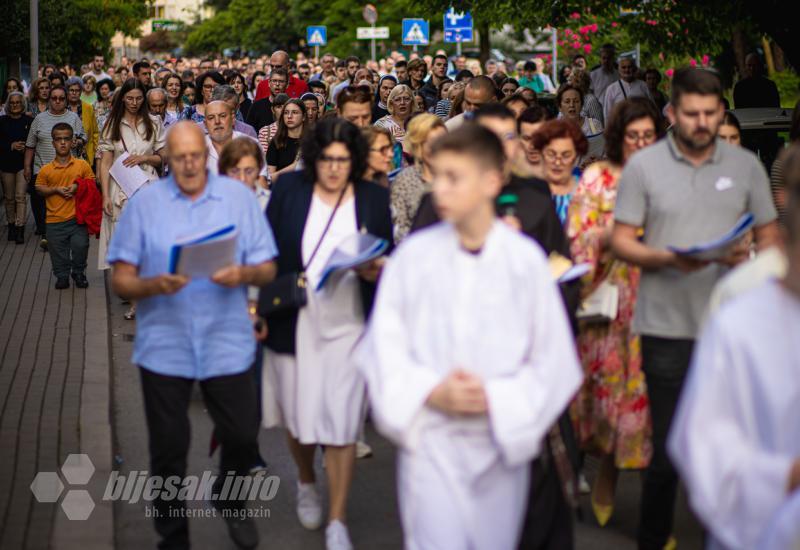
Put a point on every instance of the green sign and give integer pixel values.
(166, 25)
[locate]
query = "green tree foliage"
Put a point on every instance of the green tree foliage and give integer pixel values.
(70, 31)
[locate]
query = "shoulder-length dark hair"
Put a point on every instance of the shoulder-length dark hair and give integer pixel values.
(625, 112)
(334, 130)
(283, 131)
(112, 126)
(213, 75)
(238, 76)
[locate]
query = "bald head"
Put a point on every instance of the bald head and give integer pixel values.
(186, 147)
(479, 91)
(279, 60)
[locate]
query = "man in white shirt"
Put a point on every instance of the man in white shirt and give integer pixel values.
(220, 132)
(736, 434)
(97, 68)
(627, 86)
(606, 73)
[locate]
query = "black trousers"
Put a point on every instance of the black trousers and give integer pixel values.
(38, 206)
(665, 363)
(548, 520)
(231, 403)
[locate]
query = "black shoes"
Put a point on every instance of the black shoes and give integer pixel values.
(20, 236)
(12, 232)
(62, 283)
(43, 244)
(80, 280)
(243, 531)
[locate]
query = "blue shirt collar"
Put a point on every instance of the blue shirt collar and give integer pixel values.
(211, 191)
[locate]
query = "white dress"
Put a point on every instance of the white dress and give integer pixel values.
(463, 481)
(318, 393)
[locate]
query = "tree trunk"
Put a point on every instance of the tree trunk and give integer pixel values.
(485, 42)
(739, 50)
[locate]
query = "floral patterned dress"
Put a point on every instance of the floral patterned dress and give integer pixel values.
(611, 412)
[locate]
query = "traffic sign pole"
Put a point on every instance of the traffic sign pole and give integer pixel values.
(316, 53)
(458, 48)
(372, 44)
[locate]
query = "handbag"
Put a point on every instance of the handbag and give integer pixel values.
(289, 291)
(601, 306)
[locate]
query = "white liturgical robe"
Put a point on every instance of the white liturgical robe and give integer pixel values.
(737, 429)
(463, 481)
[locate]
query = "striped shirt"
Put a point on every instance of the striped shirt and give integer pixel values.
(40, 136)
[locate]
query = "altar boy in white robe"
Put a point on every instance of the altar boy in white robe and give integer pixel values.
(736, 435)
(469, 358)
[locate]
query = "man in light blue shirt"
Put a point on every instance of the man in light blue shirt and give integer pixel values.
(197, 329)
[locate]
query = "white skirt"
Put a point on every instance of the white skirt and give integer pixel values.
(318, 393)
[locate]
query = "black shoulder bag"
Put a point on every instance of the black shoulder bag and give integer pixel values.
(288, 291)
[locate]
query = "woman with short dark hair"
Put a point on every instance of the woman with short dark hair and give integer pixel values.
(611, 412)
(205, 85)
(311, 384)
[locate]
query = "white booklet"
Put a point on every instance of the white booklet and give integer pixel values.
(201, 255)
(352, 252)
(129, 178)
(721, 247)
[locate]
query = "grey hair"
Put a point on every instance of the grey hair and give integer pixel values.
(24, 101)
(151, 91)
(73, 81)
(224, 92)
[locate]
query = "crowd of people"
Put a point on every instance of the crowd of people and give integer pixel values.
(468, 344)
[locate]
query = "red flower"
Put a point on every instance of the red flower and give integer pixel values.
(587, 48)
(576, 45)
(669, 72)
(614, 24)
(706, 59)
(594, 27)
(575, 15)
(693, 62)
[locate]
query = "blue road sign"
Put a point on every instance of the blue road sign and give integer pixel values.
(317, 35)
(457, 26)
(416, 32)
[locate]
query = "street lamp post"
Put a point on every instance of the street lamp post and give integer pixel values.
(34, 39)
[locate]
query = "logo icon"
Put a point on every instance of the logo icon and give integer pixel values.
(76, 470)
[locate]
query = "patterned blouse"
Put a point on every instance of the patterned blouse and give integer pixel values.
(266, 134)
(406, 192)
(397, 131)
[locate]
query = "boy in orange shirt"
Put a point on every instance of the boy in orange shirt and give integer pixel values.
(68, 242)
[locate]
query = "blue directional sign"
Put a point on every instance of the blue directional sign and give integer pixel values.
(416, 32)
(457, 26)
(317, 35)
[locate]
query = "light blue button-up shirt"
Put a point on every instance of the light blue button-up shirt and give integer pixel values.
(203, 330)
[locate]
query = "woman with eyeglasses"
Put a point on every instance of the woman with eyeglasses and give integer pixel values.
(310, 383)
(380, 160)
(569, 99)
(130, 130)
(284, 149)
(400, 106)
(414, 182)
(205, 85)
(611, 413)
(14, 127)
(562, 143)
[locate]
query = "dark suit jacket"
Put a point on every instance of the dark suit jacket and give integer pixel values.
(260, 114)
(287, 211)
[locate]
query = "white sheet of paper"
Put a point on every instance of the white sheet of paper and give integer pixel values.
(130, 179)
(203, 259)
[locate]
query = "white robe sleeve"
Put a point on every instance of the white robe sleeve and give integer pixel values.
(523, 406)
(734, 486)
(398, 385)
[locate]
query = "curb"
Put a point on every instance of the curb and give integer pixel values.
(97, 532)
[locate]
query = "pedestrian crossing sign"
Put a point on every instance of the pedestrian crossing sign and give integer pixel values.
(416, 32)
(317, 35)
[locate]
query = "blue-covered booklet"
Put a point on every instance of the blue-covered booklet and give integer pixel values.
(352, 252)
(201, 254)
(721, 247)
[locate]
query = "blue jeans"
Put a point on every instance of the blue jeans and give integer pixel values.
(665, 363)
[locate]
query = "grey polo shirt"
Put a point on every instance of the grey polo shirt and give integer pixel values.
(679, 205)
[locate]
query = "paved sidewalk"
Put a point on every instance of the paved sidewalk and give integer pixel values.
(53, 395)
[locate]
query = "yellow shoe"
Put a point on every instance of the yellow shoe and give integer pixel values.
(672, 544)
(602, 512)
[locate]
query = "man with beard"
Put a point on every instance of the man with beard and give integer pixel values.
(687, 189)
(219, 126)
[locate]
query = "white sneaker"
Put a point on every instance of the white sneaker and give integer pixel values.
(363, 450)
(337, 537)
(583, 485)
(309, 506)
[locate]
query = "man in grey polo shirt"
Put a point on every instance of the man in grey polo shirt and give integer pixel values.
(687, 189)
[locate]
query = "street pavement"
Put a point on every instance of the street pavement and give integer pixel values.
(59, 389)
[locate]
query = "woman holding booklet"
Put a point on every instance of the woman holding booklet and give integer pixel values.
(611, 412)
(129, 130)
(311, 384)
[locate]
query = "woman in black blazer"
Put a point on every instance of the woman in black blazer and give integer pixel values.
(310, 383)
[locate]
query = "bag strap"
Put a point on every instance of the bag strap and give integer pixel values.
(327, 226)
(621, 87)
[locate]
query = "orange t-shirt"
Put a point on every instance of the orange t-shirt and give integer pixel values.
(60, 209)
